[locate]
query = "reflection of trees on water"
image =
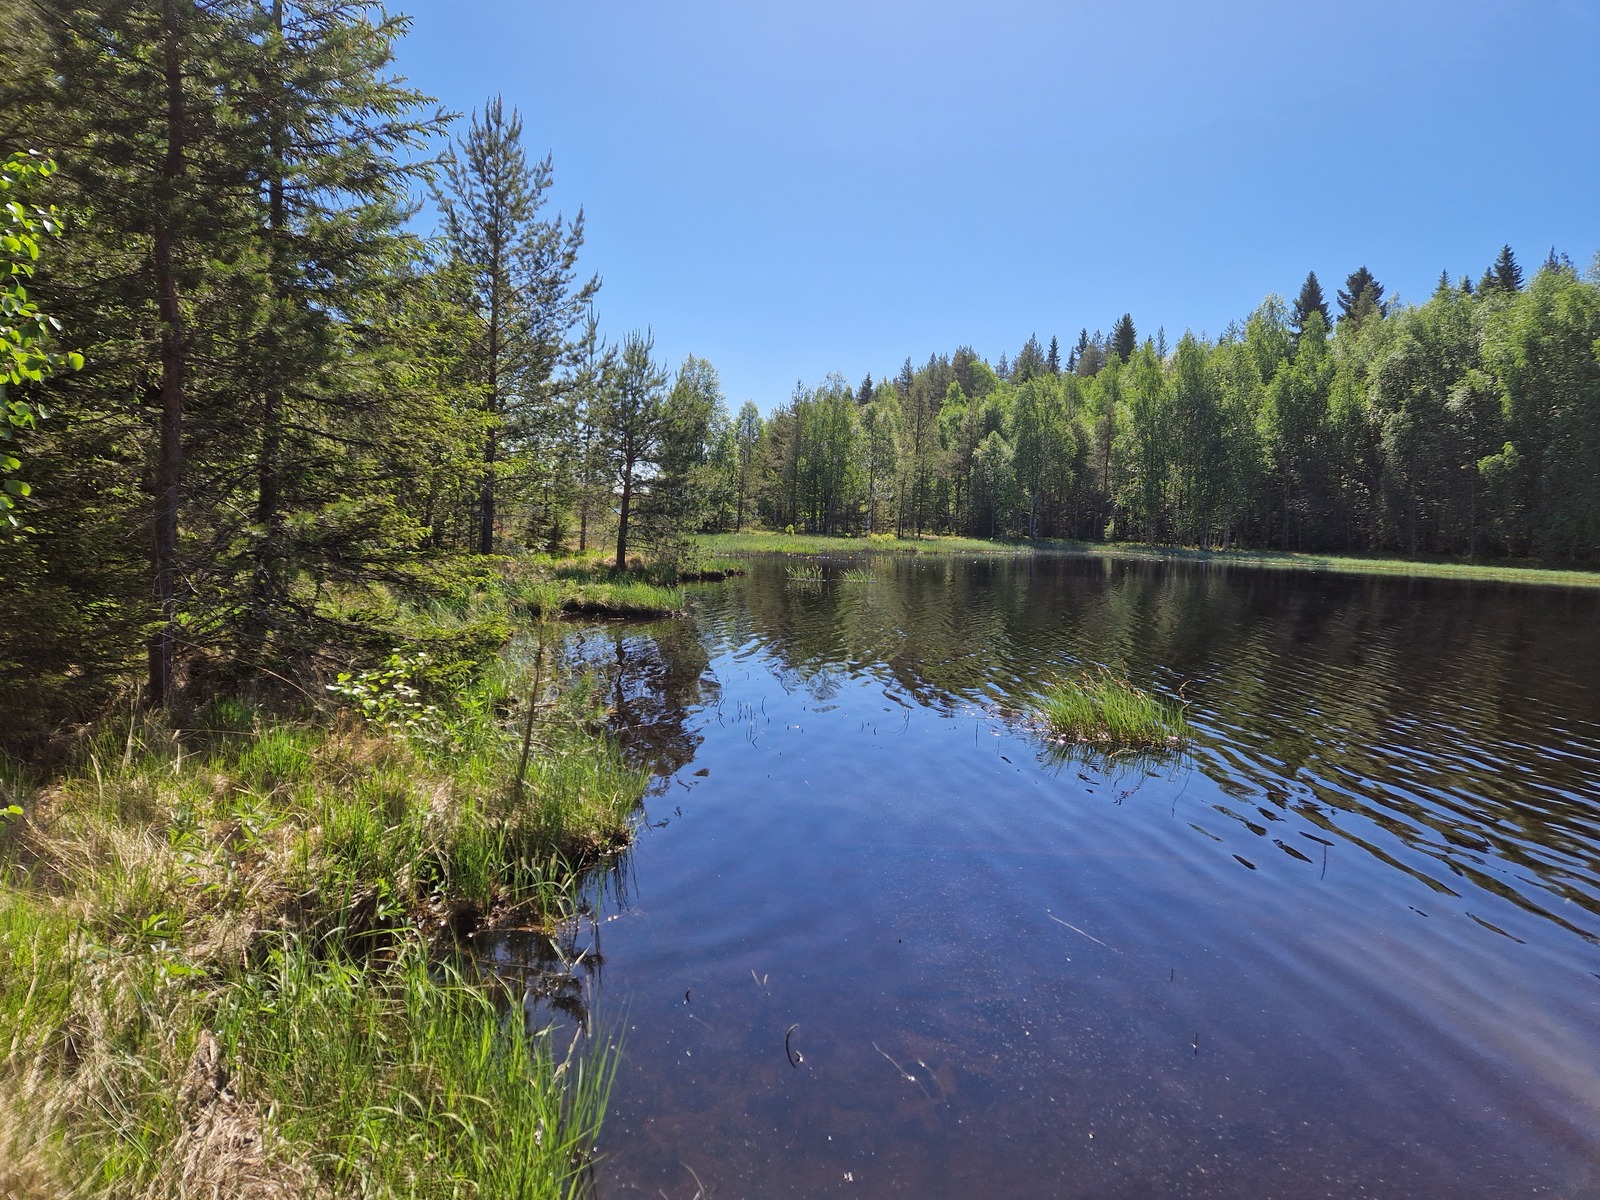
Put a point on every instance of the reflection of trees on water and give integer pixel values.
(654, 676)
(1448, 714)
(557, 970)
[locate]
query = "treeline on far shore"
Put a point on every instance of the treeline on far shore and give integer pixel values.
(1466, 425)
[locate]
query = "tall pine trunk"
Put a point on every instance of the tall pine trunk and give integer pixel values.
(266, 585)
(491, 442)
(169, 459)
(622, 517)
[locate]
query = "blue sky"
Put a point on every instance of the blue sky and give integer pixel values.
(792, 187)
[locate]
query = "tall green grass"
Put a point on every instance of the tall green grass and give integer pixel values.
(1108, 712)
(130, 1071)
(413, 1081)
(216, 973)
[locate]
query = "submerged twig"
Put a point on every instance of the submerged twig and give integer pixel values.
(904, 1074)
(1080, 932)
(533, 710)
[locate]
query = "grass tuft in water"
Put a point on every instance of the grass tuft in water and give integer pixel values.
(1107, 711)
(804, 573)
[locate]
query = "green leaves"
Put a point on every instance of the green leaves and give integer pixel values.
(25, 332)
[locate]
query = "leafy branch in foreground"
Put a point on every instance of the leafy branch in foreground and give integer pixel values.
(26, 356)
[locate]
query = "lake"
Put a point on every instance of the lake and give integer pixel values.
(877, 938)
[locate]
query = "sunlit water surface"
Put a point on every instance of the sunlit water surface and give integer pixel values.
(878, 939)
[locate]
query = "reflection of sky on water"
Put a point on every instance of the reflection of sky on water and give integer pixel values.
(1344, 942)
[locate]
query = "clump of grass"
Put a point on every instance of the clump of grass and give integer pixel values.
(804, 573)
(630, 598)
(858, 575)
(1108, 712)
(364, 1062)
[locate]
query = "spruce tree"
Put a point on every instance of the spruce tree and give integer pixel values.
(1052, 360)
(677, 501)
(335, 144)
(748, 428)
(1076, 355)
(1310, 300)
(1124, 338)
(242, 166)
(1507, 274)
(129, 99)
(1361, 297)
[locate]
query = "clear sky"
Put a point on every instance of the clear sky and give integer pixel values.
(792, 187)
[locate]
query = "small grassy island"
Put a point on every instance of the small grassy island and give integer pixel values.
(1107, 712)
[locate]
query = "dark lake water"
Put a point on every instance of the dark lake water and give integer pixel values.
(878, 940)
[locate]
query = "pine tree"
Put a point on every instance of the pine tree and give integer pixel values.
(1052, 360)
(526, 292)
(632, 422)
(1124, 338)
(595, 361)
(1029, 362)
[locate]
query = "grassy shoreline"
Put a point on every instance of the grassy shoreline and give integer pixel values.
(220, 946)
(787, 543)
